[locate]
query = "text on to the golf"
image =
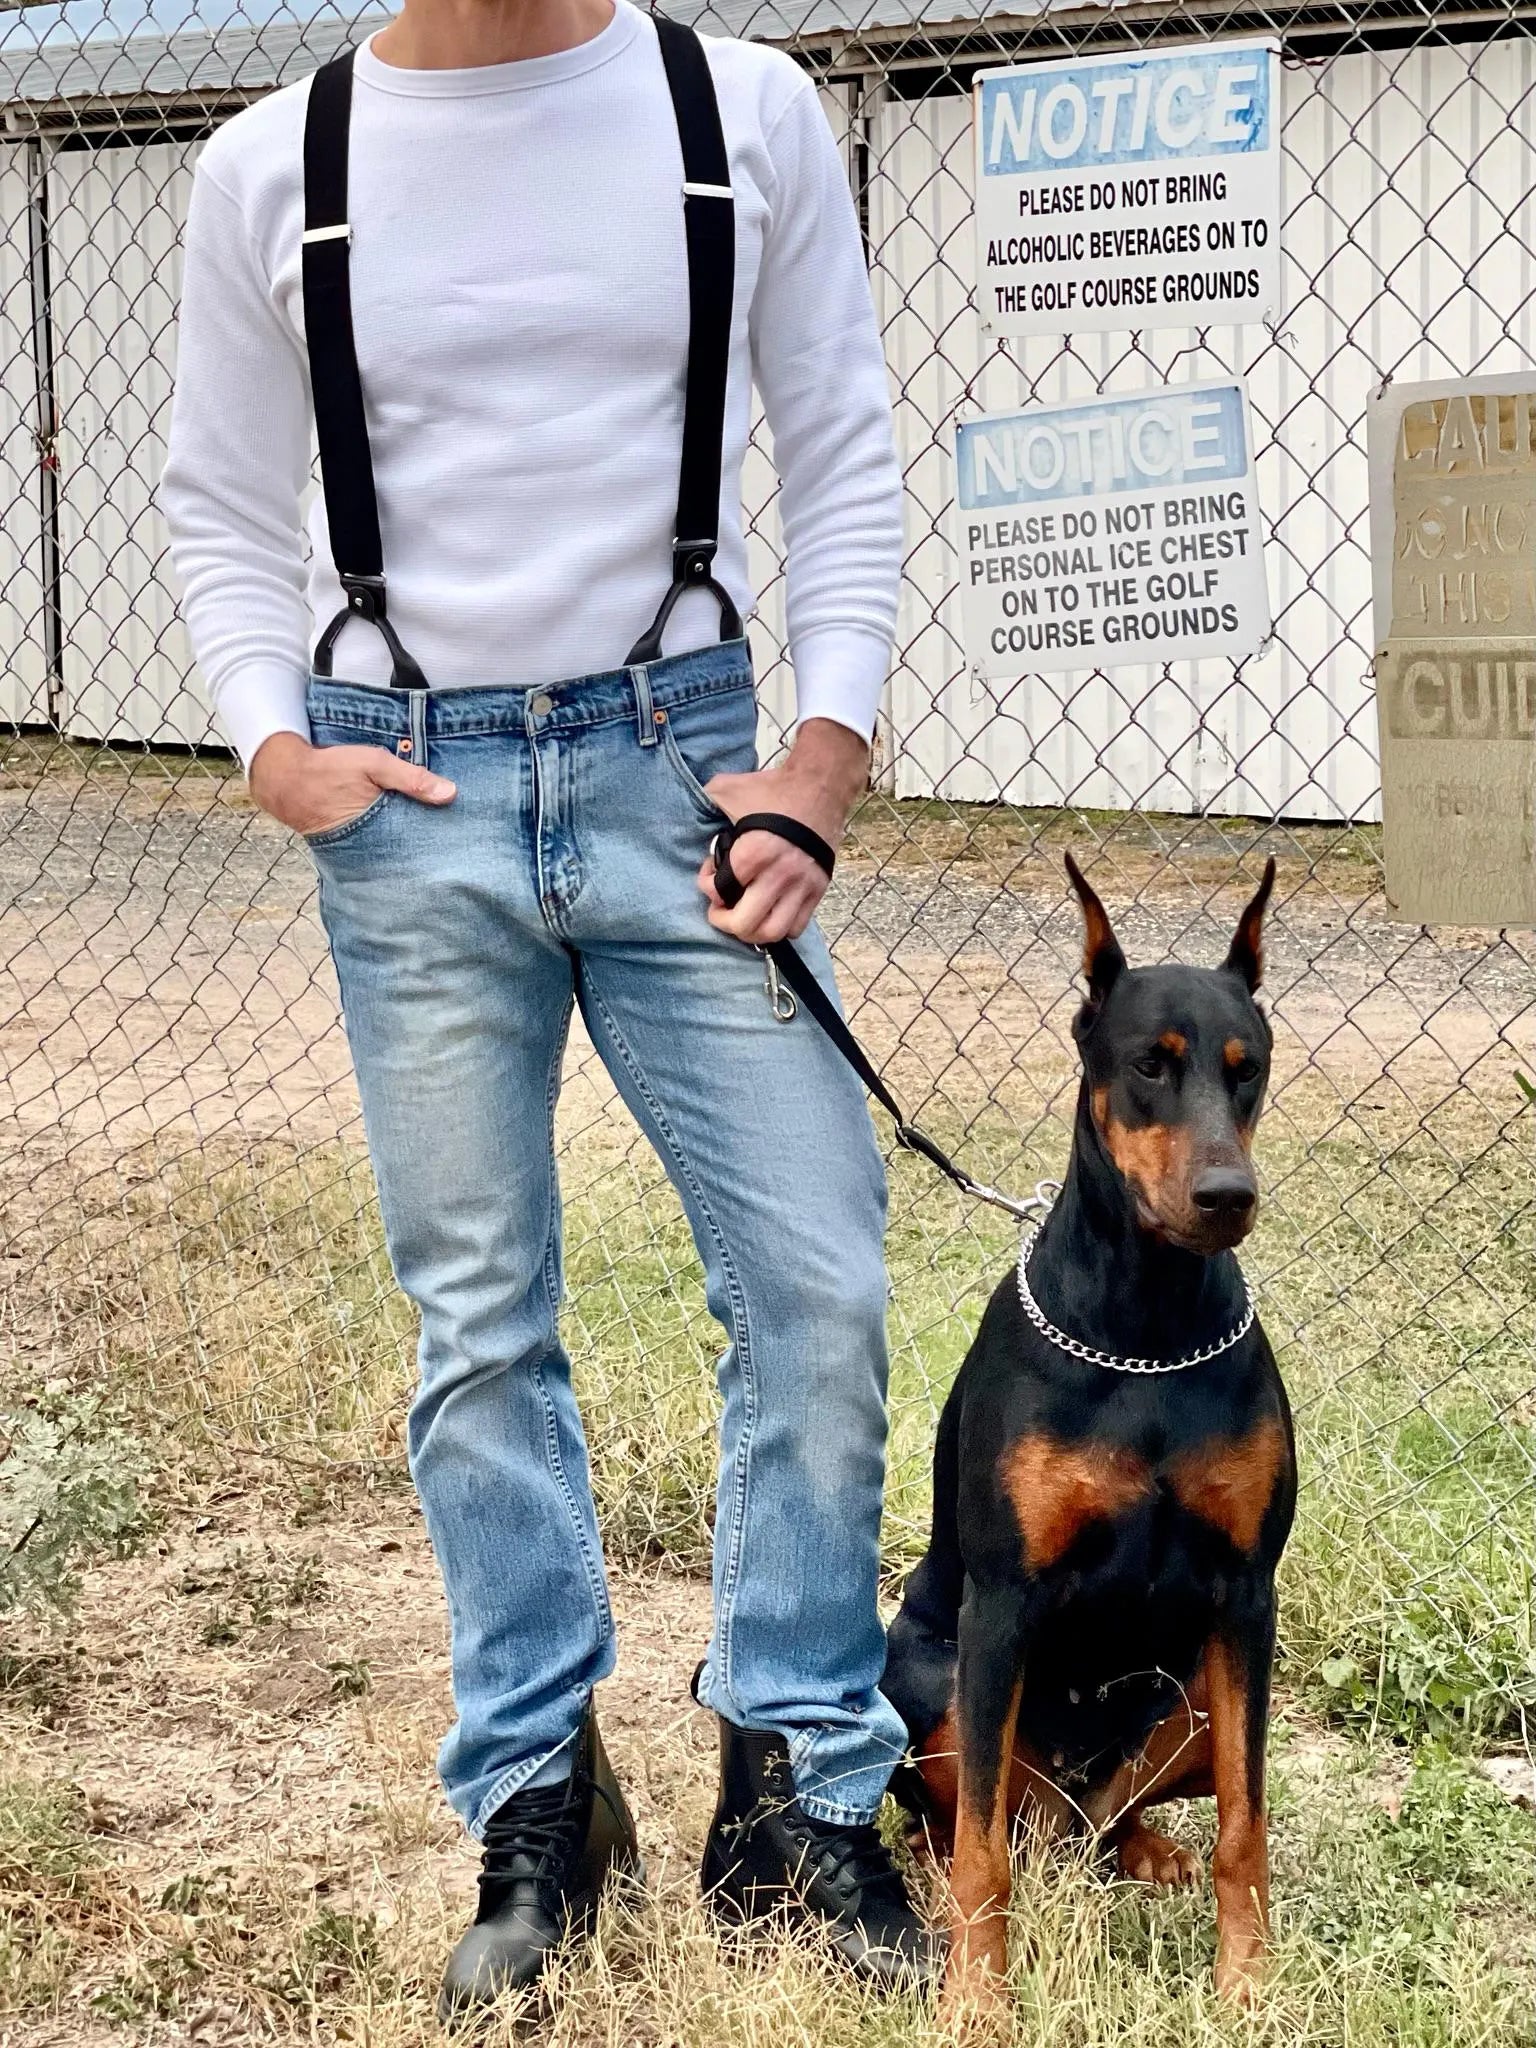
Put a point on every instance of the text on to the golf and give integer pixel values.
(1120, 530)
(1129, 192)
(1456, 666)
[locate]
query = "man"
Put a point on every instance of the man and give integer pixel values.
(479, 225)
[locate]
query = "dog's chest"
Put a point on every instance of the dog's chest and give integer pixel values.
(1068, 1493)
(1130, 1560)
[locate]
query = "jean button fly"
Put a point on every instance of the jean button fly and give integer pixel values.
(542, 706)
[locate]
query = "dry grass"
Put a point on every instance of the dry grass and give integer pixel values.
(218, 1825)
(244, 1312)
(218, 1821)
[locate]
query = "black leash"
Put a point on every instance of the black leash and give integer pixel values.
(797, 977)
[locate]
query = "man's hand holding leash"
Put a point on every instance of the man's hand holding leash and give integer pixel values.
(825, 774)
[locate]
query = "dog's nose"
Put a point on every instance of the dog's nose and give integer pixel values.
(1226, 1192)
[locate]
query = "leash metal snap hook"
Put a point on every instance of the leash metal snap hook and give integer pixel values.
(781, 1000)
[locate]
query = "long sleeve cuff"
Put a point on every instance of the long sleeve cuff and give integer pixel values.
(259, 699)
(840, 674)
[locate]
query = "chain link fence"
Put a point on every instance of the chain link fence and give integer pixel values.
(192, 1252)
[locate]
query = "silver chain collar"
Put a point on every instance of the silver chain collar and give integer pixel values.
(1075, 1348)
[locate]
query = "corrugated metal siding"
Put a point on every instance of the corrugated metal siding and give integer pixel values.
(1396, 262)
(117, 216)
(1376, 147)
(23, 660)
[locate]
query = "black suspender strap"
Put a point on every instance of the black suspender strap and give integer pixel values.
(346, 464)
(709, 218)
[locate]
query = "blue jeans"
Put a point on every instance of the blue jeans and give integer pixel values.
(564, 871)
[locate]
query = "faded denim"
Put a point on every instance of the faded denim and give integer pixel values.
(564, 872)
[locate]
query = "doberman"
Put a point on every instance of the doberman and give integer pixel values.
(1093, 1626)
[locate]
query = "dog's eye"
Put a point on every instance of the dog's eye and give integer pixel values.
(1245, 1071)
(1150, 1064)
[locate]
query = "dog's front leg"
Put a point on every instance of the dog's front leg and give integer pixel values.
(1237, 1669)
(988, 1683)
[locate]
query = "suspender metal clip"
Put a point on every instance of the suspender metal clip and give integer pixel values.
(365, 595)
(692, 560)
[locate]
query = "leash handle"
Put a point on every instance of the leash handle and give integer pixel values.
(727, 886)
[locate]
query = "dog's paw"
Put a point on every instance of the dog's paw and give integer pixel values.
(1240, 1971)
(974, 2008)
(1150, 1858)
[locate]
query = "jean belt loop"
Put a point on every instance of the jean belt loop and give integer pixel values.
(419, 727)
(645, 709)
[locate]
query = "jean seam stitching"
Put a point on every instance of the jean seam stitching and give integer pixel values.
(512, 1781)
(740, 1338)
(836, 1816)
(551, 1432)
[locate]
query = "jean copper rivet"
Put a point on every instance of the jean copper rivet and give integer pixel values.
(405, 746)
(661, 718)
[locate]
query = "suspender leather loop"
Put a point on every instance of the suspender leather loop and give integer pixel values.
(341, 423)
(709, 223)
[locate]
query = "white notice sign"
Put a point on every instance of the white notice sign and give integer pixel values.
(1118, 530)
(1118, 192)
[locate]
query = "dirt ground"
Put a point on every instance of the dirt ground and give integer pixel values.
(162, 964)
(249, 1711)
(253, 1703)
(291, 1756)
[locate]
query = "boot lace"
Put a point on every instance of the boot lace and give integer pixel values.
(856, 1858)
(530, 1839)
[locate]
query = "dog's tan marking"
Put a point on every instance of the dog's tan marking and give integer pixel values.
(1234, 1052)
(1174, 1762)
(1231, 1484)
(1240, 1866)
(1098, 934)
(1056, 1489)
(1031, 1789)
(1174, 1042)
(1147, 1857)
(980, 1876)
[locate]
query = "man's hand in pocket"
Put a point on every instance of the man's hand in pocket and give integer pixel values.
(314, 789)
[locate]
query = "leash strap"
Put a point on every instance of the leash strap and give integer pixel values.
(341, 420)
(797, 977)
(729, 889)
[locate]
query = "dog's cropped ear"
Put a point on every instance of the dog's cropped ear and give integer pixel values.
(1245, 955)
(1103, 961)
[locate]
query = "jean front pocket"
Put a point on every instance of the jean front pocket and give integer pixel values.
(332, 834)
(708, 737)
(332, 725)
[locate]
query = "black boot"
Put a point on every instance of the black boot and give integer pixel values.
(766, 1855)
(547, 1852)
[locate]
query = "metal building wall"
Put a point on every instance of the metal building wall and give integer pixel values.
(1376, 148)
(116, 216)
(1391, 267)
(23, 638)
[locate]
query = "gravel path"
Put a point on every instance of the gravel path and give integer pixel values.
(162, 957)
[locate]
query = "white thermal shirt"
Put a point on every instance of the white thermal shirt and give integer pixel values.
(520, 303)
